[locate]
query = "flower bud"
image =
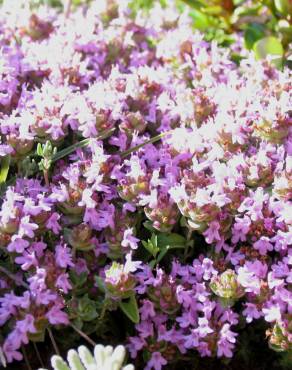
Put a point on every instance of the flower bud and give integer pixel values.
(119, 283)
(80, 237)
(131, 188)
(164, 216)
(164, 295)
(280, 337)
(134, 122)
(227, 287)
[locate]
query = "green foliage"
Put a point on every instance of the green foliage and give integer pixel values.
(159, 244)
(130, 308)
(4, 168)
(144, 5)
(46, 152)
(87, 310)
(269, 47)
(266, 25)
(253, 33)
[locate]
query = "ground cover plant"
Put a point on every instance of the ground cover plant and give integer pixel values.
(146, 184)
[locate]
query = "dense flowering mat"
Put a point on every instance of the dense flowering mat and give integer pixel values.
(146, 185)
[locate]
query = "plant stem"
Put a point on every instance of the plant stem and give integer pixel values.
(53, 342)
(38, 355)
(82, 334)
(13, 277)
(46, 176)
(67, 7)
(25, 358)
(150, 141)
(80, 144)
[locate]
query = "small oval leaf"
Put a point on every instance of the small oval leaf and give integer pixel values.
(269, 46)
(130, 308)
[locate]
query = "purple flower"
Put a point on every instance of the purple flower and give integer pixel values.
(251, 312)
(27, 260)
(135, 345)
(11, 352)
(212, 234)
(226, 341)
(129, 240)
(192, 340)
(240, 229)
(63, 283)
(26, 228)
(5, 149)
(38, 280)
(156, 362)
(147, 309)
(131, 266)
(63, 256)
(26, 325)
(18, 245)
(52, 223)
(263, 245)
(145, 329)
(186, 319)
(56, 316)
(203, 328)
(272, 312)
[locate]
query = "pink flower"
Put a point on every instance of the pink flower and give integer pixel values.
(212, 234)
(263, 245)
(63, 256)
(56, 316)
(240, 229)
(63, 283)
(129, 240)
(27, 260)
(52, 223)
(147, 310)
(17, 245)
(156, 362)
(10, 351)
(272, 313)
(26, 228)
(251, 312)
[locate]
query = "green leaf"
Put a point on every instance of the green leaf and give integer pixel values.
(165, 242)
(172, 240)
(70, 149)
(269, 46)
(5, 163)
(130, 309)
(39, 336)
(87, 309)
(148, 225)
(100, 283)
(81, 144)
(283, 6)
(253, 33)
(78, 279)
(153, 140)
(201, 21)
(39, 149)
(194, 3)
(213, 10)
(151, 245)
(162, 254)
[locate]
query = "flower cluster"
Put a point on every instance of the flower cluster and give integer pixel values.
(147, 131)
